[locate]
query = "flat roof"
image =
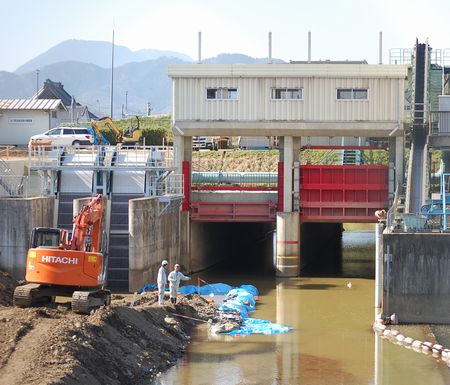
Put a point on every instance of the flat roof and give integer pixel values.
(310, 70)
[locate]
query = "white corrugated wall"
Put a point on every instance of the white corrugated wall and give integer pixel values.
(319, 102)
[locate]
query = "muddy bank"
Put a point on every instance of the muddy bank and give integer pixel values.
(114, 345)
(7, 286)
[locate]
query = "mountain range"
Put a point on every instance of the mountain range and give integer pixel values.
(84, 68)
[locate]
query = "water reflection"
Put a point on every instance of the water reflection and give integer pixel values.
(331, 342)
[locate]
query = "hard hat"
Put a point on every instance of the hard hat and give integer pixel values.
(164, 263)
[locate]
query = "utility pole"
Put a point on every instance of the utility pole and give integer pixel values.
(37, 82)
(112, 75)
(149, 108)
(126, 103)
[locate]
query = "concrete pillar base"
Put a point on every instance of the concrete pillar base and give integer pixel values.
(288, 245)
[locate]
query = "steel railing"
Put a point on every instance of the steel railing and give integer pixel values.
(170, 185)
(439, 123)
(234, 180)
(101, 157)
(21, 186)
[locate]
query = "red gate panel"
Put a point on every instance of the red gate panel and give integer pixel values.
(233, 211)
(330, 193)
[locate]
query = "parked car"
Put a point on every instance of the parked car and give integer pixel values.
(63, 136)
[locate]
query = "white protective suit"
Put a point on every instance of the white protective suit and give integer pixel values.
(174, 282)
(162, 282)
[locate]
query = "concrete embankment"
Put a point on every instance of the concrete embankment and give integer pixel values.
(17, 219)
(416, 284)
(154, 236)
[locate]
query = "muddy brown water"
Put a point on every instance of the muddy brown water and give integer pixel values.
(332, 341)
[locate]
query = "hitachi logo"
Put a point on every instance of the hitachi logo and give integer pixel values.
(65, 260)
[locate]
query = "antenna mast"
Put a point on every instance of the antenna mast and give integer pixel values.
(112, 75)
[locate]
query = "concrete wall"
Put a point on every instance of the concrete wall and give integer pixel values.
(160, 240)
(416, 282)
(17, 219)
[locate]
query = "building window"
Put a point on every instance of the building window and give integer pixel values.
(222, 93)
(287, 93)
(54, 115)
(352, 93)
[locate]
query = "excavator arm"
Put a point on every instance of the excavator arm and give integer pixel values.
(87, 226)
(108, 123)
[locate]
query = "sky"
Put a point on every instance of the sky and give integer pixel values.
(341, 29)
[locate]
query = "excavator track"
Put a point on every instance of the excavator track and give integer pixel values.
(85, 301)
(30, 295)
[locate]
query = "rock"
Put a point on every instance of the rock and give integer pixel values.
(170, 320)
(408, 341)
(400, 337)
(78, 324)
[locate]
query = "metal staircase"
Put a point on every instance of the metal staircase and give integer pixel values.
(10, 182)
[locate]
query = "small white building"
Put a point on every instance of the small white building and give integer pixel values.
(324, 99)
(22, 118)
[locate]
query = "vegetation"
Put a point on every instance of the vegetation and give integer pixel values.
(267, 160)
(156, 130)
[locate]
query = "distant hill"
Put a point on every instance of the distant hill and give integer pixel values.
(83, 68)
(237, 58)
(94, 52)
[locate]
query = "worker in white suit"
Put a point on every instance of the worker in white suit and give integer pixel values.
(175, 277)
(162, 281)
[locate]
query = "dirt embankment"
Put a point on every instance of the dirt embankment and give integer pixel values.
(7, 286)
(114, 345)
(235, 161)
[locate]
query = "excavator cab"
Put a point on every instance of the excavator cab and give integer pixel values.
(48, 237)
(133, 134)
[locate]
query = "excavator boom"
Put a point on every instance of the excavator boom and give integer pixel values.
(131, 136)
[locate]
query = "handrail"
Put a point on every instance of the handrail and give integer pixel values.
(392, 212)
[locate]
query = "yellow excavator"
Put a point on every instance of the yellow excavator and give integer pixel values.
(131, 136)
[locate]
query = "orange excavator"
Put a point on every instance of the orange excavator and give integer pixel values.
(57, 266)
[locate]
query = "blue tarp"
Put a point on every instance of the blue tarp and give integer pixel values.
(259, 326)
(214, 288)
(96, 142)
(148, 288)
(240, 300)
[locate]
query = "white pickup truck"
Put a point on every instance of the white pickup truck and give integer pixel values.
(204, 142)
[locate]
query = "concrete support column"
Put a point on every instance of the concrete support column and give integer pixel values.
(288, 245)
(288, 221)
(183, 150)
(399, 156)
(183, 153)
(288, 155)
